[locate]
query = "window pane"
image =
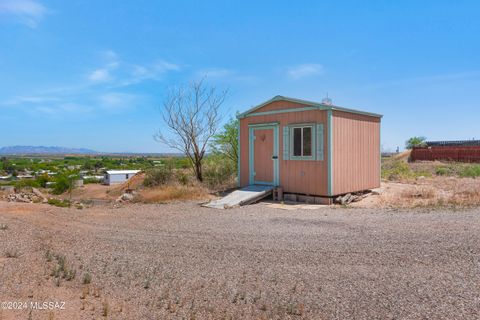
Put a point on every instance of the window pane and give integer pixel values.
(297, 142)
(307, 141)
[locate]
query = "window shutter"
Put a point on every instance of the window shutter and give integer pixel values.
(286, 143)
(319, 141)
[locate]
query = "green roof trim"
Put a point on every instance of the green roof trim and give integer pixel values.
(310, 106)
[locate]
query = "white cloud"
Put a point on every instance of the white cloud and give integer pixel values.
(305, 70)
(115, 101)
(139, 73)
(216, 73)
(28, 12)
(100, 90)
(164, 66)
(100, 75)
(121, 74)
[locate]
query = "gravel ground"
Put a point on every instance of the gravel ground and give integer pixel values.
(182, 261)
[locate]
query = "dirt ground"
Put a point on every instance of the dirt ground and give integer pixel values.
(183, 261)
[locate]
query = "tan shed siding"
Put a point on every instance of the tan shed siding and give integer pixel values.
(356, 152)
(296, 176)
(280, 105)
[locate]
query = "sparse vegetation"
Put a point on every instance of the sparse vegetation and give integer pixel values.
(105, 308)
(396, 170)
(225, 143)
(64, 182)
(59, 203)
(472, 171)
(87, 278)
(3, 227)
(220, 172)
(158, 176)
(174, 192)
(61, 270)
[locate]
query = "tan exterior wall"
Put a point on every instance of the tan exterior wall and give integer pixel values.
(280, 105)
(356, 152)
(296, 176)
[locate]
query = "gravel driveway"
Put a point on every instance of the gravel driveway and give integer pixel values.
(182, 261)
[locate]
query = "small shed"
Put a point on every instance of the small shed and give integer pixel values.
(118, 176)
(309, 148)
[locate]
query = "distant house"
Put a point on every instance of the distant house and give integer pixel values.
(25, 176)
(118, 176)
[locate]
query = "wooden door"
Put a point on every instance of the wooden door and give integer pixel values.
(263, 156)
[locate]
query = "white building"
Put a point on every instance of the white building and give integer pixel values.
(119, 176)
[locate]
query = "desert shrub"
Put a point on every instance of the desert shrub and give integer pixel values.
(42, 180)
(443, 171)
(219, 172)
(182, 178)
(472, 171)
(64, 182)
(396, 170)
(158, 176)
(58, 202)
(87, 278)
(91, 180)
(28, 183)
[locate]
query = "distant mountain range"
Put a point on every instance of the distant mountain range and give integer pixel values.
(22, 150)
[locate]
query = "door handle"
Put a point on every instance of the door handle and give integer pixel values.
(274, 157)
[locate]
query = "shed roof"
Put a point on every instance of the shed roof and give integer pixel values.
(122, 171)
(315, 105)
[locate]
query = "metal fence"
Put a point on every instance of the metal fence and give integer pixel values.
(457, 143)
(460, 153)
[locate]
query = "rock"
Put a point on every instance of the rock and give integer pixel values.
(39, 194)
(25, 197)
(125, 197)
(349, 197)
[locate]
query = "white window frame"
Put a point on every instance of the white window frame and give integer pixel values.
(313, 142)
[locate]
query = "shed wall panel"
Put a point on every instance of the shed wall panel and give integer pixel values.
(280, 105)
(356, 152)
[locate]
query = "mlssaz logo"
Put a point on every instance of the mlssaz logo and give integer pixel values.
(47, 305)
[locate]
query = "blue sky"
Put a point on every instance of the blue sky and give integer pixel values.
(92, 73)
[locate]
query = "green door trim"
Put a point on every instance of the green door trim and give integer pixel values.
(251, 158)
(330, 151)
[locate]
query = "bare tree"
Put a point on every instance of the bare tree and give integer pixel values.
(191, 114)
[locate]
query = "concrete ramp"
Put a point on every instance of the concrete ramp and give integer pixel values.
(244, 196)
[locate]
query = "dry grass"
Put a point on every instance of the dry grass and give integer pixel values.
(431, 192)
(174, 192)
(423, 192)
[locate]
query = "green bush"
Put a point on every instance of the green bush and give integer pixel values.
(395, 170)
(158, 176)
(91, 180)
(27, 183)
(443, 171)
(42, 180)
(472, 171)
(59, 203)
(219, 171)
(64, 182)
(61, 184)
